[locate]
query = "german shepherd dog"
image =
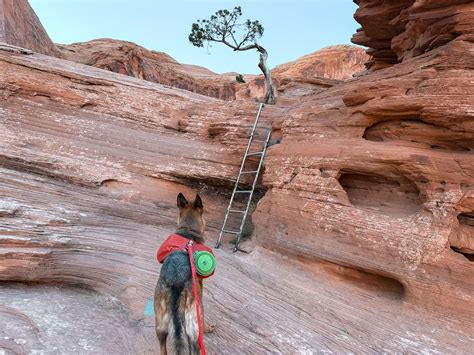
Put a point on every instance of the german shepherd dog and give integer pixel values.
(174, 303)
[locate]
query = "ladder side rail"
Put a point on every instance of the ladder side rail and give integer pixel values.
(260, 164)
(257, 118)
(260, 108)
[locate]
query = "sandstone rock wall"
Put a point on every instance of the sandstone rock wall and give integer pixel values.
(19, 26)
(399, 30)
(130, 59)
(364, 238)
(328, 65)
(90, 166)
(334, 62)
(377, 174)
(311, 73)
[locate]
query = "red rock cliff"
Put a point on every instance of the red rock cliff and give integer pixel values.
(364, 237)
(130, 59)
(399, 30)
(333, 62)
(336, 62)
(19, 26)
(377, 173)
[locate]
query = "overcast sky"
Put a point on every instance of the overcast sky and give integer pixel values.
(292, 28)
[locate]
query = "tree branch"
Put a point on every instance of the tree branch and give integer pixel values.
(246, 48)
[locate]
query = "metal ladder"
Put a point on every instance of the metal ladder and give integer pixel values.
(250, 192)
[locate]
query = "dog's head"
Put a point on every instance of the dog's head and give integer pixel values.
(190, 215)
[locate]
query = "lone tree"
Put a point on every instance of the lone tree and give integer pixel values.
(223, 27)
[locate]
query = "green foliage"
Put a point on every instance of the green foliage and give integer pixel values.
(223, 27)
(239, 78)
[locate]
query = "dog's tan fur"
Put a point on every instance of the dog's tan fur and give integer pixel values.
(184, 340)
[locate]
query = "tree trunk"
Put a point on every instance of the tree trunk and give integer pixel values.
(269, 96)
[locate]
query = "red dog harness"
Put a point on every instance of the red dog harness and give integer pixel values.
(176, 242)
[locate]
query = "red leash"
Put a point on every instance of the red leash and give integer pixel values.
(196, 297)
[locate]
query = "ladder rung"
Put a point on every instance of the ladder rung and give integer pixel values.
(254, 137)
(249, 172)
(231, 232)
(255, 153)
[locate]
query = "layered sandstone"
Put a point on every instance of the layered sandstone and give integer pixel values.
(364, 235)
(130, 59)
(314, 72)
(399, 30)
(319, 69)
(91, 163)
(378, 172)
(334, 62)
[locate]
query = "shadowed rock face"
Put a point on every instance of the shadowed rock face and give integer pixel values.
(19, 26)
(363, 237)
(399, 30)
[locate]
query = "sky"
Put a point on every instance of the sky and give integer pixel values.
(293, 28)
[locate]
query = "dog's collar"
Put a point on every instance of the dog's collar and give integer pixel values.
(190, 234)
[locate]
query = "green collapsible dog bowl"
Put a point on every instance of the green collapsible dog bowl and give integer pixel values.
(205, 263)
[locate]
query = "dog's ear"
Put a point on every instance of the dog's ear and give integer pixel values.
(198, 202)
(181, 201)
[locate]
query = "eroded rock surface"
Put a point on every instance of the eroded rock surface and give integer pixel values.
(399, 30)
(130, 59)
(62, 319)
(333, 62)
(321, 68)
(379, 172)
(362, 242)
(19, 26)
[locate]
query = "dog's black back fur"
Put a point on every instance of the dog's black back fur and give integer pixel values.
(175, 273)
(176, 270)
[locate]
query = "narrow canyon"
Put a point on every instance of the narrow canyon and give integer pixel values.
(362, 235)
